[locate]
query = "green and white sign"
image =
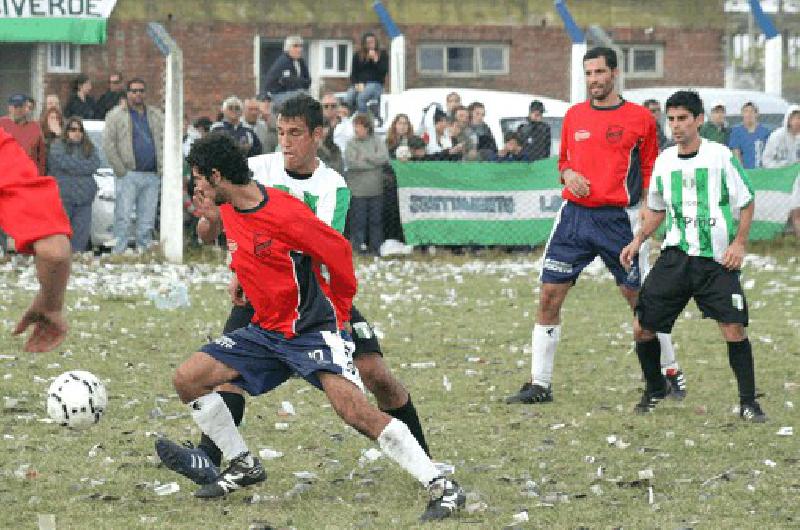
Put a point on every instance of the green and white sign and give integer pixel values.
(484, 203)
(73, 21)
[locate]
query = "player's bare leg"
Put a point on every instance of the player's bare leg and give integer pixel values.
(545, 337)
(395, 440)
(195, 381)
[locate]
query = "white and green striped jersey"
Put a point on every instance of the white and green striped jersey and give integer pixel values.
(699, 195)
(325, 191)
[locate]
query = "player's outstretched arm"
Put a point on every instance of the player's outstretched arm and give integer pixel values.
(46, 311)
(736, 251)
(652, 220)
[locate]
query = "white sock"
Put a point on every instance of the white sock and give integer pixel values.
(544, 339)
(397, 442)
(668, 361)
(215, 420)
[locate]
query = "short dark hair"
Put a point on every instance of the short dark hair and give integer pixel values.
(221, 152)
(601, 51)
(137, 80)
(511, 135)
(475, 105)
(688, 99)
(365, 119)
(750, 104)
(650, 101)
(303, 106)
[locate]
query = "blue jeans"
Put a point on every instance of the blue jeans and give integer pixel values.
(366, 216)
(372, 90)
(139, 190)
(80, 217)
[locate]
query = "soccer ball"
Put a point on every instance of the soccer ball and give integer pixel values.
(76, 399)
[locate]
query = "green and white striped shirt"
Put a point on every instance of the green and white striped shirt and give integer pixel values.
(325, 191)
(699, 195)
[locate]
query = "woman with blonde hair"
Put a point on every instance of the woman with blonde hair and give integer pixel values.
(73, 160)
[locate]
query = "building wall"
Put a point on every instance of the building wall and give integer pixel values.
(217, 39)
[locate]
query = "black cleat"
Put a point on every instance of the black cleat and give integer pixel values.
(191, 462)
(447, 497)
(677, 385)
(752, 412)
(650, 400)
(530, 393)
(236, 476)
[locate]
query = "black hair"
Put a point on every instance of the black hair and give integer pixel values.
(137, 80)
(303, 106)
(78, 81)
(219, 151)
(601, 51)
(512, 135)
(648, 102)
(688, 99)
(203, 122)
(750, 104)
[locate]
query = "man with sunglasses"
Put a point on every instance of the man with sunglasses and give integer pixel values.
(133, 141)
(112, 97)
(233, 125)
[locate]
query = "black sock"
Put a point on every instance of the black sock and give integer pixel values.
(235, 403)
(649, 353)
(740, 357)
(408, 415)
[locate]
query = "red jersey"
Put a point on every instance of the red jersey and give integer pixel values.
(613, 147)
(275, 249)
(30, 205)
(29, 136)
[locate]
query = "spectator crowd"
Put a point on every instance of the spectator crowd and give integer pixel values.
(132, 142)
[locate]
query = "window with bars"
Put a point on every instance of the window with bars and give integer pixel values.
(462, 60)
(63, 58)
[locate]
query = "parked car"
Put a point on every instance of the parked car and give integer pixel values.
(505, 111)
(771, 108)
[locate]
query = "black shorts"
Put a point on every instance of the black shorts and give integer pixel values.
(676, 278)
(363, 334)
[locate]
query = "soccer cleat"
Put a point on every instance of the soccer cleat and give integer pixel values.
(236, 476)
(530, 393)
(650, 400)
(752, 412)
(191, 462)
(447, 497)
(677, 384)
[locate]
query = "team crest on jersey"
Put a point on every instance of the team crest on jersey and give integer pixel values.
(262, 245)
(614, 133)
(582, 135)
(232, 245)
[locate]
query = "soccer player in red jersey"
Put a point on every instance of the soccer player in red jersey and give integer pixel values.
(277, 245)
(608, 148)
(31, 212)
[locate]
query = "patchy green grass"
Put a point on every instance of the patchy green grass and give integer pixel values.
(472, 317)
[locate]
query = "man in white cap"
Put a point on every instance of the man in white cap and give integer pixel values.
(716, 128)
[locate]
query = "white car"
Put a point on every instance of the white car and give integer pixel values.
(102, 235)
(771, 109)
(505, 111)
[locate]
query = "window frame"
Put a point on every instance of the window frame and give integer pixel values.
(477, 67)
(335, 43)
(66, 47)
(628, 50)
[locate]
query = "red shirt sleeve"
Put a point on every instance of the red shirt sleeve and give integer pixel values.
(30, 205)
(649, 153)
(307, 233)
(566, 136)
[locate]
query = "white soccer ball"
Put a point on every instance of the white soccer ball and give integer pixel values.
(76, 399)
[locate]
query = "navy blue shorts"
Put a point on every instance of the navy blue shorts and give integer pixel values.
(265, 359)
(579, 235)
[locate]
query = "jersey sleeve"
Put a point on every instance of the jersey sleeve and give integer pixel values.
(566, 136)
(30, 205)
(740, 189)
(305, 232)
(649, 150)
(333, 205)
(655, 191)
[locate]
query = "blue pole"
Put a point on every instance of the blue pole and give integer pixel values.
(575, 33)
(763, 20)
(386, 19)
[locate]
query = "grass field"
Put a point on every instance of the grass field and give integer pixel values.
(473, 318)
